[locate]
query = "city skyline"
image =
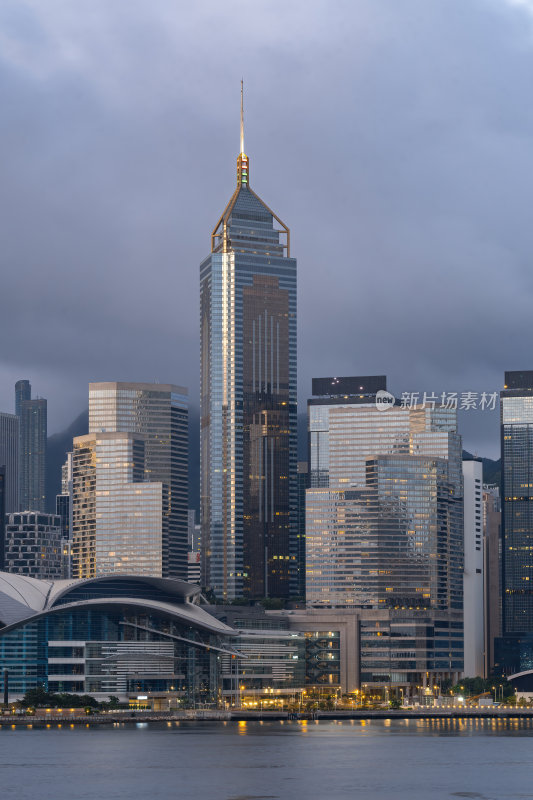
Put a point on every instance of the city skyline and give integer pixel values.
(438, 198)
(219, 573)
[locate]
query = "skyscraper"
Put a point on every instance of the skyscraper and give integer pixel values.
(145, 467)
(248, 400)
(492, 521)
(64, 500)
(64, 512)
(516, 402)
(303, 484)
(117, 515)
(9, 457)
(32, 414)
(474, 579)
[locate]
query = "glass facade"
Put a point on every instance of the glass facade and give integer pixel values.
(516, 402)
(113, 635)
(271, 660)
(112, 650)
(157, 414)
(248, 402)
(406, 650)
(344, 432)
(396, 543)
(117, 517)
(388, 529)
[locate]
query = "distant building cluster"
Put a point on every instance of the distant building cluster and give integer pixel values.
(383, 563)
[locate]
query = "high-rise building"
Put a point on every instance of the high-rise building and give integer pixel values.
(492, 520)
(384, 527)
(473, 578)
(64, 512)
(33, 545)
(9, 457)
(517, 502)
(248, 400)
(130, 485)
(22, 395)
(513, 651)
(117, 515)
(194, 572)
(303, 485)
(64, 500)
(2, 515)
(194, 531)
(32, 414)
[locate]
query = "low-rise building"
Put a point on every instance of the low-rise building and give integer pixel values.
(112, 635)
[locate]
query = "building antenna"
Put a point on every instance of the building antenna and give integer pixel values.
(242, 116)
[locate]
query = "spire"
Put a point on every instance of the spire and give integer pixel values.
(242, 160)
(242, 116)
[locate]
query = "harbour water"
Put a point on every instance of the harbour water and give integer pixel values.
(481, 759)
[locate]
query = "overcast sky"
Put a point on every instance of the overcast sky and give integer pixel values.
(394, 137)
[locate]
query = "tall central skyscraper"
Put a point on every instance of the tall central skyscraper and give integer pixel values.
(248, 400)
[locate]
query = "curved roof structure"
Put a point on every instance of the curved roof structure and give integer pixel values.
(522, 681)
(23, 598)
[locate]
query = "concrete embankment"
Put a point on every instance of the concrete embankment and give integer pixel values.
(213, 715)
(415, 713)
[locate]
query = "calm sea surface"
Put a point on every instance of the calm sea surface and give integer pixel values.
(404, 760)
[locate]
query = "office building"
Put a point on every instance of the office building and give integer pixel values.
(517, 501)
(32, 416)
(33, 545)
(473, 577)
(194, 532)
(384, 526)
(492, 570)
(9, 458)
(272, 666)
(248, 401)
(194, 572)
(513, 651)
(64, 512)
(156, 417)
(303, 485)
(117, 515)
(64, 500)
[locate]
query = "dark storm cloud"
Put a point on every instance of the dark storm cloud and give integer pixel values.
(393, 136)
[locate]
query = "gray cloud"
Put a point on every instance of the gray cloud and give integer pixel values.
(393, 137)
